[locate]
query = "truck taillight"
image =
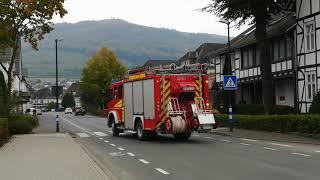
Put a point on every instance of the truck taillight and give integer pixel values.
(207, 104)
(207, 81)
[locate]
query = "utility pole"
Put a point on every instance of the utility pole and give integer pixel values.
(57, 88)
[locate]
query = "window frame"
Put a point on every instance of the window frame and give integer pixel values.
(311, 85)
(309, 34)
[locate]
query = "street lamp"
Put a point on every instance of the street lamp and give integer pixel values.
(57, 94)
(228, 71)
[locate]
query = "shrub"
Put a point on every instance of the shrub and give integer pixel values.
(315, 106)
(4, 133)
(258, 109)
(21, 124)
(274, 123)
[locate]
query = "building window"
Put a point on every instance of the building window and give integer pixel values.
(289, 48)
(311, 85)
(310, 36)
(275, 50)
(248, 58)
(282, 48)
(257, 57)
(232, 56)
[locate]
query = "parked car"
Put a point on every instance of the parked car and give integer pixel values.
(68, 111)
(79, 111)
(39, 111)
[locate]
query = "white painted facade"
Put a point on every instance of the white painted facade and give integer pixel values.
(308, 51)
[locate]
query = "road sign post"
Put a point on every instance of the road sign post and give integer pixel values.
(230, 83)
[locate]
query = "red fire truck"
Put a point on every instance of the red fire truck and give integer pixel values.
(162, 100)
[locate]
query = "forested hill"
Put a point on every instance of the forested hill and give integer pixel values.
(133, 44)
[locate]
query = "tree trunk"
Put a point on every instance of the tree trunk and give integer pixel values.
(263, 45)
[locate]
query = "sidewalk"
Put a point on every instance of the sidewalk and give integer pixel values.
(46, 157)
(268, 136)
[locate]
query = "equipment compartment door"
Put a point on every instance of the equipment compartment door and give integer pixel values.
(137, 98)
(128, 105)
(148, 100)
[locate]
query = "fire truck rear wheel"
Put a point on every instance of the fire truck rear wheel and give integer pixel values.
(115, 130)
(141, 134)
(182, 136)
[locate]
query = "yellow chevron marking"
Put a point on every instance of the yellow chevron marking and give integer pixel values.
(119, 104)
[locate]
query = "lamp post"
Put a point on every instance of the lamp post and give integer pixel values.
(57, 93)
(228, 71)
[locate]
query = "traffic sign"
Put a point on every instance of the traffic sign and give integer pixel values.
(230, 82)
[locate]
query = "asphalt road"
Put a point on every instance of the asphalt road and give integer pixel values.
(204, 156)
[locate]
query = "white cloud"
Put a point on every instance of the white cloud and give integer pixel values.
(181, 15)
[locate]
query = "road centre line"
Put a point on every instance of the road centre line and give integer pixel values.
(270, 149)
(209, 137)
(131, 154)
(162, 171)
(300, 154)
(317, 151)
(100, 134)
(101, 138)
(245, 139)
(83, 135)
(106, 141)
(121, 149)
(283, 145)
(112, 145)
(143, 161)
(245, 144)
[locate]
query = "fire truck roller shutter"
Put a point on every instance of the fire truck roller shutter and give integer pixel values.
(128, 105)
(137, 98)
(148, 98)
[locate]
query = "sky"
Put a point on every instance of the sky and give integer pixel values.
(181, 15)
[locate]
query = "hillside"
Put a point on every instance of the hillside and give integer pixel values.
(133, 44)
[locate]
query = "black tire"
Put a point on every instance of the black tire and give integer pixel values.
(182, 136)
(115, 131)
(141, 134)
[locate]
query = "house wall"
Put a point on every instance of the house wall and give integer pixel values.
(308, 59)
(284, 92)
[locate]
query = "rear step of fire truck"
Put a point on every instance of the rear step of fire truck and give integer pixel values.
(205, 117)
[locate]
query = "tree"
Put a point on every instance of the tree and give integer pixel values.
(97, 74)
(51, 105)
(25, 19)
(258, 12)
(68, 101)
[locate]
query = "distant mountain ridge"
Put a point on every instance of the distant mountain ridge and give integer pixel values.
(133, 44)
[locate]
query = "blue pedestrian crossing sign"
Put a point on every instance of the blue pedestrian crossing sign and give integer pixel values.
(230, 82)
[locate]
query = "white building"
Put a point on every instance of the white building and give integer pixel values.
(245, 60)
(19, 75)
(308, 51)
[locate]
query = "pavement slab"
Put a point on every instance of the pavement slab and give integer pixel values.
(47, 156)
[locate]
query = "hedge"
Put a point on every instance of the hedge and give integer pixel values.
(274, 123)
(20, 124)
(4, 133)
(258, 109)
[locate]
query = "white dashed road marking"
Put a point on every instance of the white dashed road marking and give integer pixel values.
(245, 144)
(106, 141)
(144, 161)
(110, 131)
(270, 148)
(83, 135)
(283, 145)
(245, 139)
(196, 135)
(209, 137)
(101, 138)
(162, 171)
(300, 154)
(131, 154)
(112, 145)
(100, 134)
(121, 149)
(225, 140)
(317, 151)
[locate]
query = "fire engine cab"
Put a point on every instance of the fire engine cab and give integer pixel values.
(166, 100)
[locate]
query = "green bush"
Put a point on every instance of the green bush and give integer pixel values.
(315, 106)
(21, 124)
(4, 133)
(274, 123)
(258, 109)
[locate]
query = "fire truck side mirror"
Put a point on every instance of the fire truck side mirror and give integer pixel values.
(173, 66)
